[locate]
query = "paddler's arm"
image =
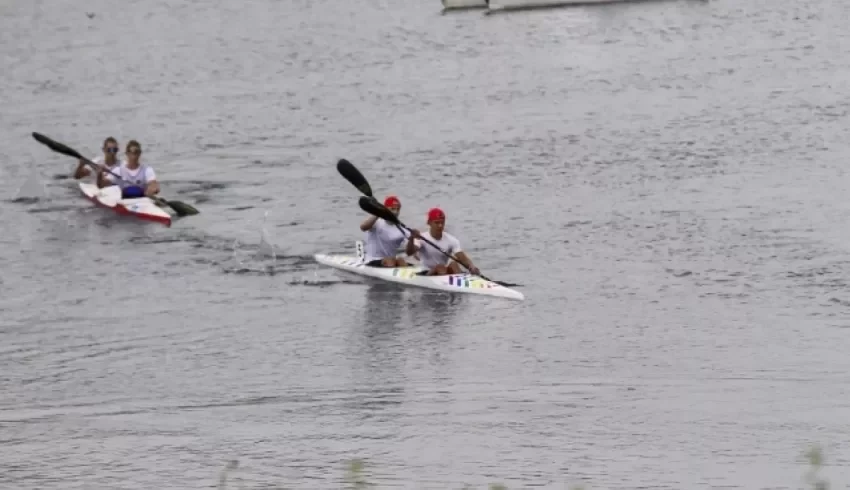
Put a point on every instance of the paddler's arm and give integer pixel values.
(152, 188)
(467, 262)
(410, 248)
(81, 170)
(103, 178)
(368, 224)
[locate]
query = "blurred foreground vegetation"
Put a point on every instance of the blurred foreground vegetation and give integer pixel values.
(355, 475)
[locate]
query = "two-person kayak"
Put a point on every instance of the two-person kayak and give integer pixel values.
(129, 188)
(440, 255)
(414, 275)
(142, 208)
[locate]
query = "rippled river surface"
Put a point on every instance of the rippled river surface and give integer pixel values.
(666, 179)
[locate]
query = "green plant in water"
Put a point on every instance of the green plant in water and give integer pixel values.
(354, 475)
(356, 479)
(222, 477)
(816, 459)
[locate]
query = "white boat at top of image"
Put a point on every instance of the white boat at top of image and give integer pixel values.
(513, 5)
(412, 276)
(530, 4)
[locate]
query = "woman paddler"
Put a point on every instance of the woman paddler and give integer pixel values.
(135, 178)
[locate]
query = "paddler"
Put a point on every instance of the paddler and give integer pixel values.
(435, 261)
(383, 239)
(136, 179)
(109, 159)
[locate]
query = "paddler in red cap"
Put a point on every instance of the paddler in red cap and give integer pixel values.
(383, 239)
(435, 261)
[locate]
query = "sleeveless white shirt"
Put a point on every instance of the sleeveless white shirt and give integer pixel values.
(139, 177)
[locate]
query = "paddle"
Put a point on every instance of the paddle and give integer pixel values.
(181, 208)
(351, 174)
(373, 207)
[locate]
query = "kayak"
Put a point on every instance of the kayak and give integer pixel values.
(110, 197)
(412, 276)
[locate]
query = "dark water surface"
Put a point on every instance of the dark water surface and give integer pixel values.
(667, 179)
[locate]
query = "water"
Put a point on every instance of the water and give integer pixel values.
(667, 180)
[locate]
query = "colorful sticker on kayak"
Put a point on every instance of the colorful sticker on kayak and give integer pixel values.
(466, 282)
(405, 273)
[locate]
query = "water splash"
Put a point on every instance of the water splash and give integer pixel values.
(261, 258)
(267, 248)
(33, 189)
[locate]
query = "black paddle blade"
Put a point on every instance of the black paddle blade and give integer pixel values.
(56, 146)
(181, 208)
(373, 207)
(351, 174)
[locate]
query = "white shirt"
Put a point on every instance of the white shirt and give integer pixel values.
(429, 256)
(131, 177)
(383, 240)
(100, 159)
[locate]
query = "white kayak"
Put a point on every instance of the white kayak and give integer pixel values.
(110, 197)
(410, 276)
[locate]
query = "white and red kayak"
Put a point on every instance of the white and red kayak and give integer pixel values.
(141, 208)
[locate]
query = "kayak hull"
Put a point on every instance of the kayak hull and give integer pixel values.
(142, 208)
(410, 276)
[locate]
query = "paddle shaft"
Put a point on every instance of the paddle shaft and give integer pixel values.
(429, 242)
(97, 167)
(398, 223)
(482, 276)
(384, 213)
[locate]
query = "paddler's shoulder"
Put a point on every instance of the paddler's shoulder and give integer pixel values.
(449, 236)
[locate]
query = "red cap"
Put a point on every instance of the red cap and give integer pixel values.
(391, 202)
(436, 214)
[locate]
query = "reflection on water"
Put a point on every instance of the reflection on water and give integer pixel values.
(377, 346)
(377, 352)
(384, 303)
(400, 328)
(434, 316)
(436, 308)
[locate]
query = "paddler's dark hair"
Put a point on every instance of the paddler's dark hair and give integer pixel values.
(109, 140)
(134, 144)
